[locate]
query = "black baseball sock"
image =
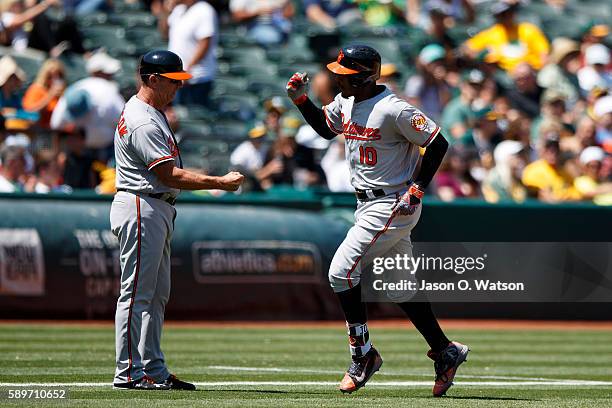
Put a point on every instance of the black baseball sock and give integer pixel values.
(354, 310)
(422, 317)
(356, 317)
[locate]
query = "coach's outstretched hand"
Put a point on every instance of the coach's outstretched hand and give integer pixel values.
(297, 87)
(231, 181)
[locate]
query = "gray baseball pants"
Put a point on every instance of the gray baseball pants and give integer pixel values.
(144, 227)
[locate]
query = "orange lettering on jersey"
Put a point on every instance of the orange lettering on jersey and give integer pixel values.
(354, 131)
(121, 127)
(173, 147)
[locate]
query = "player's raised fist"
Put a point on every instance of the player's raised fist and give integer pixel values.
(231, 181)
(297, 87)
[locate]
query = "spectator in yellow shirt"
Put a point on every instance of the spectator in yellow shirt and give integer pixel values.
(546, 179)
(592, 185)
(508, 41)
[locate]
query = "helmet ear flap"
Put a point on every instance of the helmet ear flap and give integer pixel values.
(377, 71)
(363, 78)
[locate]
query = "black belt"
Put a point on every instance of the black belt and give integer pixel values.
(365, 195)
(167, 197)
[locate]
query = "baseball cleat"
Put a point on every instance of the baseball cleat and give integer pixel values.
(446, 363)
(175, 384)
(145, 383)
(360, 371)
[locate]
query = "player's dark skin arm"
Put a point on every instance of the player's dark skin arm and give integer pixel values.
(174, 177)
(431, 161)
(315, 118)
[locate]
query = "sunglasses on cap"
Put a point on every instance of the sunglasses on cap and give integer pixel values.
(172, 81)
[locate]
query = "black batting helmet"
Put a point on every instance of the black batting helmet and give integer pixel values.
(361, 62)
(164, 63)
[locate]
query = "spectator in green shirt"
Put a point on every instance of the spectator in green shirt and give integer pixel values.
(460, 112)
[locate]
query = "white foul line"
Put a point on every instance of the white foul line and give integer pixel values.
(333, 383)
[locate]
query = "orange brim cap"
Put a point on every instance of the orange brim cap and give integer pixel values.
(600, 30)
(339, 69)
(181, 76)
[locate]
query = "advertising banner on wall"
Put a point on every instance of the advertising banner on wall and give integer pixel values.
(237, 261)
(22, 268)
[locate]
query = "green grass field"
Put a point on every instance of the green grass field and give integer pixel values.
(287, 367)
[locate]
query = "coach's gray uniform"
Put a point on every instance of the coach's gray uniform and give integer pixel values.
(144, 226)
(383, 135)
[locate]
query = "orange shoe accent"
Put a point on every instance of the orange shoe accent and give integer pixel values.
(445, 380)
(444, 383)
(347, 384)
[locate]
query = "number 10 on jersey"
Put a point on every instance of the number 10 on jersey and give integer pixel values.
(367, 155)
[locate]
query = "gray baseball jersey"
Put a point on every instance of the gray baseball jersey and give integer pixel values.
(383, 135)
(143, 140)
(144, 226)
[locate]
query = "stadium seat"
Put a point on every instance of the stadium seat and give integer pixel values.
(264, 89)
(229, 85)
(129, 19)
(285, 72)
(247, 54)
(296, 56)
(30, 61)
(386, 47)
(125, 6)
(238, 106)
(246, 69)
(129, 66)
(194, 129)
(55, 15)
(596, 9)
(194, 113)
(353, 32)
(145, 38)
(92, 19)
(127, 77)
(564, 25)
(233, 37)
(112, 38)
(229, 131)
(75, 66)
(459, 33)
(215, 157)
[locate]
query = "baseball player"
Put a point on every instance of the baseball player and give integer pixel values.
(149, 177)
(383, 135)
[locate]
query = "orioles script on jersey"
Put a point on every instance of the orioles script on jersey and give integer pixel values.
(351, 130)
(121, 127)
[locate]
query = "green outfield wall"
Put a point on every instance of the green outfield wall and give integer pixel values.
(257, 256)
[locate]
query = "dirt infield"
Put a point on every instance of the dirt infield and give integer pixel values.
(477, 324)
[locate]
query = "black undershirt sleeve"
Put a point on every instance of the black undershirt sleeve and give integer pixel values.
(431, 161)
(316, 118)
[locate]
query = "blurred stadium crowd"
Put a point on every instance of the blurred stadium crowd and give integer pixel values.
(523, 90)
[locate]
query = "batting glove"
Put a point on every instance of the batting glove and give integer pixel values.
(297, 88)
(410, 201)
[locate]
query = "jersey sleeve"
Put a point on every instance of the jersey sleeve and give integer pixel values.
(333, 116)
(206, 28)
(416, 127)
(151, 146)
